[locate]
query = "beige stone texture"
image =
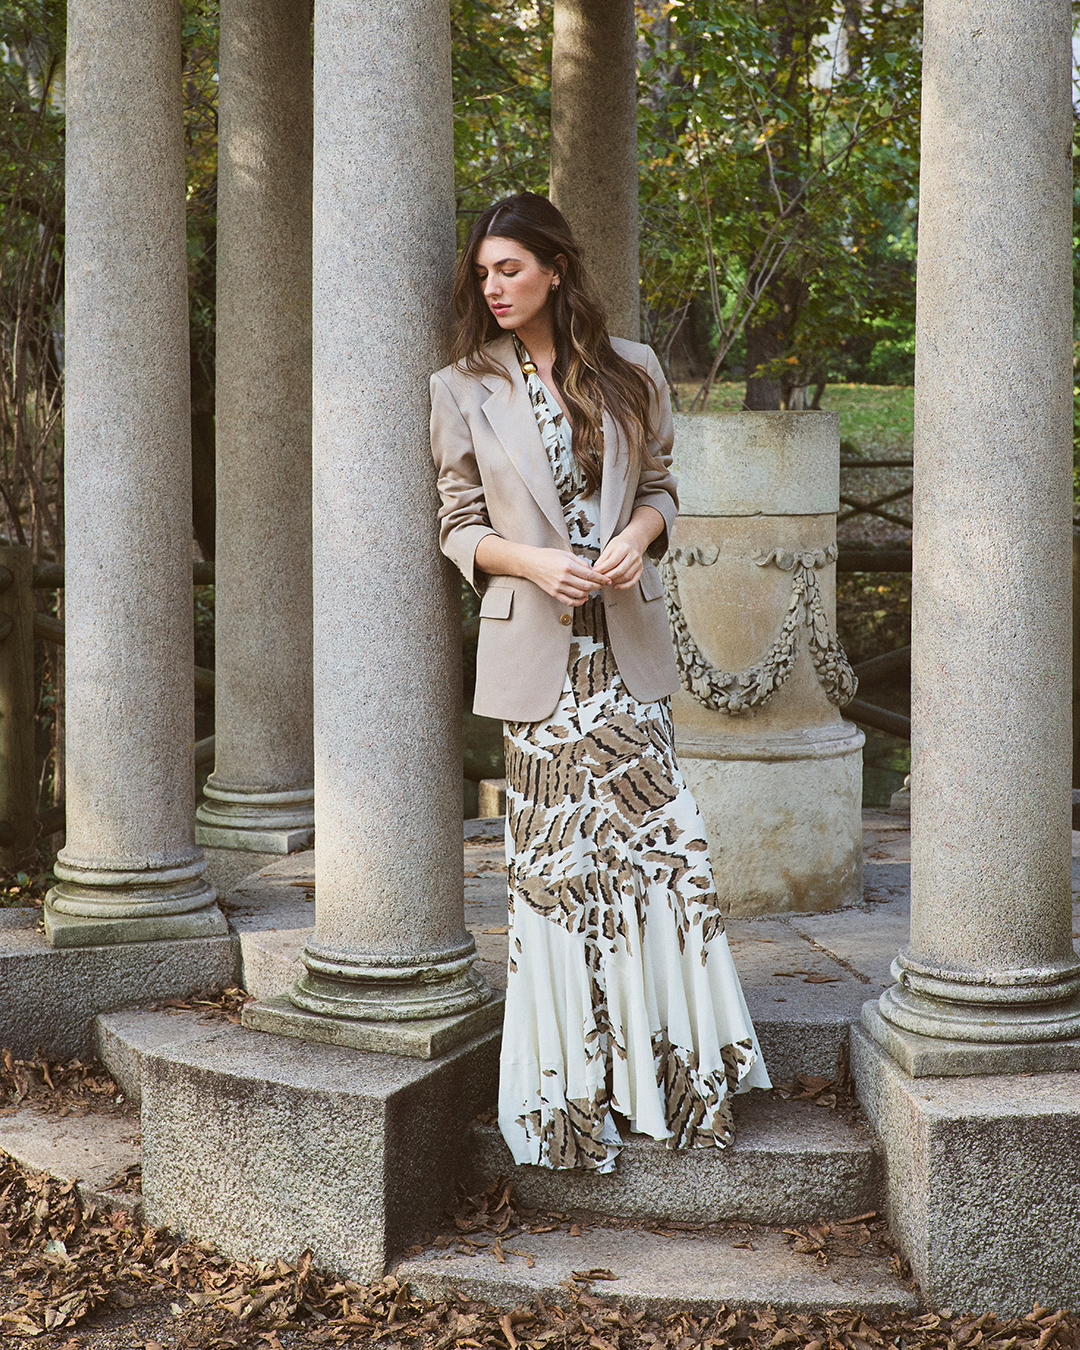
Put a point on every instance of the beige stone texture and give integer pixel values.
(263, 779)
(762, 463)
(390, 939)
(130, 851)
(779, 784)
(991, 743)
(594, 154)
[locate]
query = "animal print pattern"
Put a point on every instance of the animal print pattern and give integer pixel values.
(622, 1000)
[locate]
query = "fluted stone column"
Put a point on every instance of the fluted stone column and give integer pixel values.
(594, 161)
(261, 793)
(991, 957)
(390, 945)
(130, 869)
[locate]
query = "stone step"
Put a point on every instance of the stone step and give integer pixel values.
(792, 1162)
(98, 1151)
(663, 1274)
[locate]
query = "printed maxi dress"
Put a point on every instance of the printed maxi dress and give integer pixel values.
(621, 992)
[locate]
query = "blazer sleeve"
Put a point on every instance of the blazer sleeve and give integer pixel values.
(657, 487)
(463, 517)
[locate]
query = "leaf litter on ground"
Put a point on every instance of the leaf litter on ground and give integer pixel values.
(70, 1269)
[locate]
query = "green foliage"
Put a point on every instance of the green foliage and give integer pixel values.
(31, 271)
(502, 101)
(765, 155)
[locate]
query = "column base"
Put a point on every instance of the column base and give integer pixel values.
(424, 1038)
(253, 841)
(255, 821)
(79, 930)
(95, 906)
(937, 1057)
(1028, 1007)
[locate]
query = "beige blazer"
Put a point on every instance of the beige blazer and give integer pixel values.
(494, 478)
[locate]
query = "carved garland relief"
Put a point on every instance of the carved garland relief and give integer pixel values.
(731, 693)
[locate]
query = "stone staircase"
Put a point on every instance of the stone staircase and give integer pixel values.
(662, 1223)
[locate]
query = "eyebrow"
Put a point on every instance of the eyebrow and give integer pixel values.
(501, 263)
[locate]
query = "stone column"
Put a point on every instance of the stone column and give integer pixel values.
(991, 957)
(261, 793)
(594, 160)
(390, 944)
(130, 869)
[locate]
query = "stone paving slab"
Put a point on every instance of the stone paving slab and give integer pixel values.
(94, 1150)
(663, 1274)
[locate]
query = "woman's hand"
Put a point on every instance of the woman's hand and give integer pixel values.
(623, 561)
(565, 576)
(561, 574)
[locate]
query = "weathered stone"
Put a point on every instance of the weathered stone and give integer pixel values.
(991, 957)
(390, 940)
(938, 1057)
(420, 1038)
(791, 1162)
(130, 859)
(662, 1275)
(261, 793)
(301, 1145)
(982, 1179)
(594, 149)
(93, 1150)
(52, 995)
(770, 464)
(750, 582)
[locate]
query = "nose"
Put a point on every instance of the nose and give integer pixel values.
(492, 285)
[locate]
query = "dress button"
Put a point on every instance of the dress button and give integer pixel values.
(564, 618)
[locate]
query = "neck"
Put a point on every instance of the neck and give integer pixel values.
(538, 335)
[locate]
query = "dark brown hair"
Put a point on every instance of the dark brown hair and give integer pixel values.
(592, 377)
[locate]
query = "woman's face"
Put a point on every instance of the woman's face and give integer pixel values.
(515, 284)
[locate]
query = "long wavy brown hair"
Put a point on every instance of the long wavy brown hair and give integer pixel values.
(592, 377)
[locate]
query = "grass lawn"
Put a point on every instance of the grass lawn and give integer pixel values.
(873, 417)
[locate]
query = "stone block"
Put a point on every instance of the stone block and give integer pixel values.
(662, 1275)
(94, 1150)
(934, 1057)
(124, 1039)
(491, 797)
(762, 463)
(52, 995)
(267, 1145)
(982, 1180)
(791, 1162)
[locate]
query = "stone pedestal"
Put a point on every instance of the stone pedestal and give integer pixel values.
(304, 1146)
(982, 1181)
(594, 163)
(390, 944)
(130, 870)
(260, 796)
(750, 583)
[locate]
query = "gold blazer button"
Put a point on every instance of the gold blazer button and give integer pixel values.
(564, 618)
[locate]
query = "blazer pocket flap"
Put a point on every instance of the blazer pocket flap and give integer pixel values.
(497, 602)
(652, 588)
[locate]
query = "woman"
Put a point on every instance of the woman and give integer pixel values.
(553, 443)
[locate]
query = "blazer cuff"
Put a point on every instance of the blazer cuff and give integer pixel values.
(659, 501)
(460, 548)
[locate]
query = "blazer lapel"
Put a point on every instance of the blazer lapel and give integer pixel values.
(511, 416)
